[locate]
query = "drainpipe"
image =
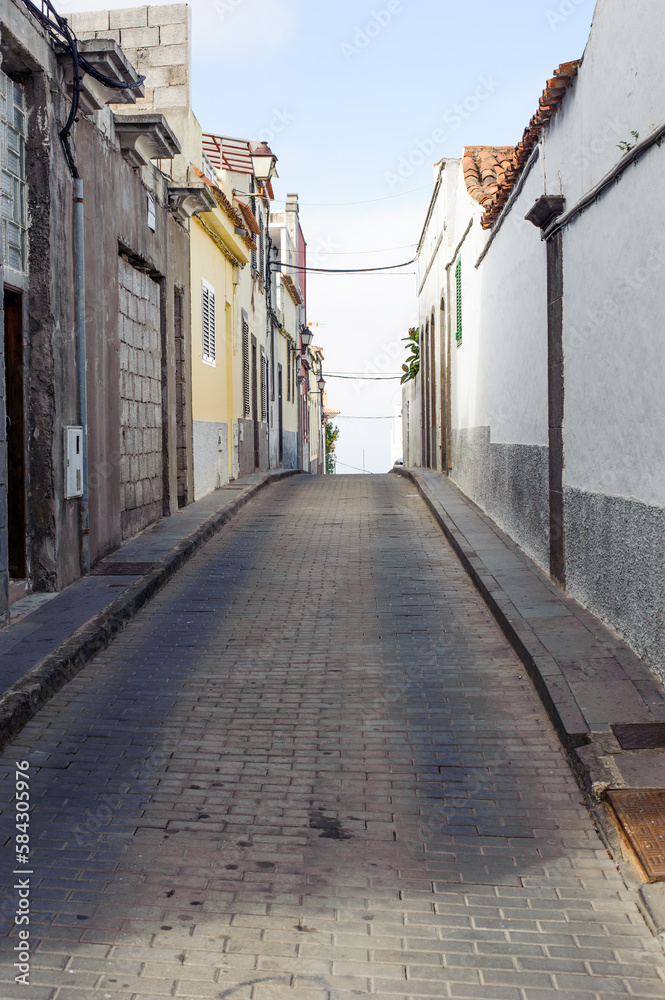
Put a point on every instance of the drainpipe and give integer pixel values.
(79, 298)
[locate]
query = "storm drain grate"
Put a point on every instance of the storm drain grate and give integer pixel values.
(122, 568)
(641, 735)
(641, 817)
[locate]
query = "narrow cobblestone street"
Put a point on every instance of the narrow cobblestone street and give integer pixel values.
(250, 795)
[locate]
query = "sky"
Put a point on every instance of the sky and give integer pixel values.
(358, 100)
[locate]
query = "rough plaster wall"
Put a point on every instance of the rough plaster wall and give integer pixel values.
(615, 566)
(211, 457)
(141, 481)
(4, 571)
(510, 483)
(290, 443)
(49, 197)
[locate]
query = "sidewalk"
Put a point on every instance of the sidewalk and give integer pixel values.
(588, 679)
(49, 645)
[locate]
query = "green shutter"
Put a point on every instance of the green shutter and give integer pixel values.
(458, 285)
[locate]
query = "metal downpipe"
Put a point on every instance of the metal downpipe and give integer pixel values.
(79, 299)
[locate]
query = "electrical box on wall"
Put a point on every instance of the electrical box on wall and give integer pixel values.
(73, 462)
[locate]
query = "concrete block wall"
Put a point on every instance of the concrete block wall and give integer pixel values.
(141, 474)
(156, 40)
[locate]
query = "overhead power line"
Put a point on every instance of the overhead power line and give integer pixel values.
(366, 378)
(367, 201)
(337, 270)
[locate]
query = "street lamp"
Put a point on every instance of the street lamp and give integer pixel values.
(321, 382)
(263, 162)
(306, 336)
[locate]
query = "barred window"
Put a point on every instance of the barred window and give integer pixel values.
(208, 323)
(458, 286)
(264, 385)
(12, 167)
(245, 368)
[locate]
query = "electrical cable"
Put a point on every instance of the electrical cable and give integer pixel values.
(351, 416)
(366, 378)
(367, 201)
(364, 471)
(58, 26)
(348, 253)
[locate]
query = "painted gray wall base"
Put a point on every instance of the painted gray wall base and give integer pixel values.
(211, 466)
(510, 483)
(615, 566)
(290, 447)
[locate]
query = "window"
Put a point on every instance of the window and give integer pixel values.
(264, 386)
(288, 373)
(208, 323)
(245, 368)
(254, 259)
(458, 287)
(13, 219)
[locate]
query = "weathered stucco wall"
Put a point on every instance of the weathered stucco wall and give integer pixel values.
(115, 220)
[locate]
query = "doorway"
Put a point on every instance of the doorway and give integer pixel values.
(280, 418)
(255, 404)
(15, 416)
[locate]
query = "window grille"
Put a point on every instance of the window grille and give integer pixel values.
(264, 387)
(12, 167)
(458, 286)
(245, 368)
(208, 323)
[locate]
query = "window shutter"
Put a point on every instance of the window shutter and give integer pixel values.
(245, 368)
(264, 392)
(458, 286)
(288, 373)
(208, 322)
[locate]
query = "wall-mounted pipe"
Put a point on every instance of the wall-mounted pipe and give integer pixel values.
(79, 300)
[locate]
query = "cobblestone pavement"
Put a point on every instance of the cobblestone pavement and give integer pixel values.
(311, 769)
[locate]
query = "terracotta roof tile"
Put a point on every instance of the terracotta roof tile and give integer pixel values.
(486, 168)
(250, 220)
(224, 203)
(491, 172)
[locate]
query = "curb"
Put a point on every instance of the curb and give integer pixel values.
(20, 702)
(559, 703)
(592, 763)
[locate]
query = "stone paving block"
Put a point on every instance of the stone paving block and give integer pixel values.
(301, 815)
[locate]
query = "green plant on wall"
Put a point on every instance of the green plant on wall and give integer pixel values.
(332, 433)
(412, 366)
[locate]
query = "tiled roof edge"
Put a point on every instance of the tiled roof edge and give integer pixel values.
(548, 106)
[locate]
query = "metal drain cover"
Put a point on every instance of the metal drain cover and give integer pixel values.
(121, 568)
(641, 815)
(641, 735)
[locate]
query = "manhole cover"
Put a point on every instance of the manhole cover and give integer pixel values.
(121, 568)
(641, 735)
(641, 815)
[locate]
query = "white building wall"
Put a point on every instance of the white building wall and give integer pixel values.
(613, 339)
(614, 347)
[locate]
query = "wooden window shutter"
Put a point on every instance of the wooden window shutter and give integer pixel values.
(208, 323)
(458, 287)
(245, 368)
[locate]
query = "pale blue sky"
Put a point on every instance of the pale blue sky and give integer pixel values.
(345, 92)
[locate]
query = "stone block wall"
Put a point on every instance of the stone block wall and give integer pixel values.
(141, 473)
(156, 41)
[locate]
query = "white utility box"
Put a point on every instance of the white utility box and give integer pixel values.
(73, 462)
